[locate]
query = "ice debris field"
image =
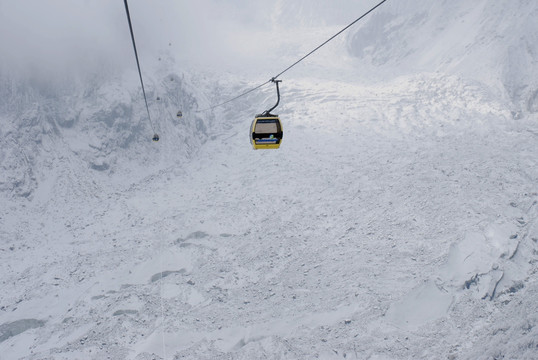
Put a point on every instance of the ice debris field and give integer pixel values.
(398, 219)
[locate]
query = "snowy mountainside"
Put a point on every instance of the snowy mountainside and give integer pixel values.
(98, 128)
(398, 220)
(359, 240)
(495, 43)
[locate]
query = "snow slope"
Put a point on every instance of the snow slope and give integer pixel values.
(491, 42)
(398, 219)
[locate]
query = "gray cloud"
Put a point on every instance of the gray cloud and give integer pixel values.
(62, 38)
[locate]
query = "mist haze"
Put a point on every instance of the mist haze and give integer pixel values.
(397, 220)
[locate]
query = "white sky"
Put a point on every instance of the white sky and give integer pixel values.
(55, 37)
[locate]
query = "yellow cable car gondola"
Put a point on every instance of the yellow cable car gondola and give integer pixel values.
(266, 132)
(266, 128)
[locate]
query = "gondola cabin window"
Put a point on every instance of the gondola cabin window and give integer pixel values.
(266, 127)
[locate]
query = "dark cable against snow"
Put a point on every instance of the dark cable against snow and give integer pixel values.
(155, 137)
(297, 62)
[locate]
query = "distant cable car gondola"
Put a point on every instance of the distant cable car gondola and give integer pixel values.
(155, 137)
(179, 114)
(266, 129)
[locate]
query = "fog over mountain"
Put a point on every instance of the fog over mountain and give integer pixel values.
(398, 220)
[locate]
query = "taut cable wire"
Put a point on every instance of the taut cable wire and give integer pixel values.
(138, 62)
(297, 62)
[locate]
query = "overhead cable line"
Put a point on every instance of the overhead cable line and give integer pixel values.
(235, 98)
(155, 137)
(298, 61)
(332, 37)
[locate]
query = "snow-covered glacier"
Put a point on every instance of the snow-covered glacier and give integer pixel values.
(398, 220)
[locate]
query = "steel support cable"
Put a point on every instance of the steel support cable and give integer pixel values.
(332, 37)
(138, 62)
(235, 98)
(298, 61)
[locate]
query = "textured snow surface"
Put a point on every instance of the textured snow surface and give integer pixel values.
(398, 220)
